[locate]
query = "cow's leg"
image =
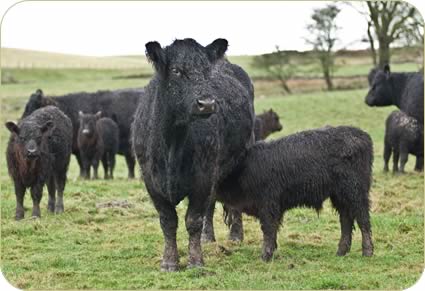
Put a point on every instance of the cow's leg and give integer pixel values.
(36, 193)
(95, 164)
(19, 193)
(194, 221)
(208, 223)
(112, 165)
(130, 160)
(363, 220)
(105, 165)
(419, 166)
(347, 224)
(168, 220)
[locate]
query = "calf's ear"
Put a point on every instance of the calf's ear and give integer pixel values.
(80, 114)
(387, 70)
(45, 127)
(217, 49)
(98, 114)
(12, 127)
(156, 55)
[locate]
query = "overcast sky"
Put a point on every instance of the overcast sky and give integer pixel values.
(122, 28)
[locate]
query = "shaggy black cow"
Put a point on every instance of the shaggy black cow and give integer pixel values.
(118, 104)
(404, 135)
(404, 90)
(265, 124)
(191, 130)
(302, 170)
(97, 140)
(38, 152)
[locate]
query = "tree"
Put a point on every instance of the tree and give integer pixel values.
(393, 21)
(277, 65)
(323, 30)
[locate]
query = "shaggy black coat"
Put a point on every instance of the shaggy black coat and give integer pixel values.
(404, 90)
(303, 170)
(38, 152)
(266, 124)
(191, 130)
(404, 135)
(118, 104)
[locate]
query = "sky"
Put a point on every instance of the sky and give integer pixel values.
(122, 28)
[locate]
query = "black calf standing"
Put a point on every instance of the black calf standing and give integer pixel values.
(38, 152)
(404, 135)
(110, 136)
(305, 169)
(97, 141)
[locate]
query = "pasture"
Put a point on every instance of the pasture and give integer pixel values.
(94, 247)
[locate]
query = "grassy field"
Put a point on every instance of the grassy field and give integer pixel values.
(121, 248)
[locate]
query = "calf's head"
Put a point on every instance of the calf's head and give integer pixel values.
(380, 92)
(88, 123)
(272, 121)
(29, 138)
(184, 71)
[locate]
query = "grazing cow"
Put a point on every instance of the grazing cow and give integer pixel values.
(404, 135)
(98, 140)
(404, 90)
(192, 130)
(303, 170)
(118, 104)
(265, 124)
(38, 152)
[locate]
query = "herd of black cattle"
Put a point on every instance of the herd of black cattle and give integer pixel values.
(194, 133)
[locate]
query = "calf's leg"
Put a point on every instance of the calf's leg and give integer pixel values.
(404, 154)
(236, 226)
(19, 193)
(60, 181)
(36, 193)
(208, 223)
(363, 220)
(396, 156)
(112, 165)
(51, 188)
(269, 226)
(347, 224)
(387, 156)
(105, 166)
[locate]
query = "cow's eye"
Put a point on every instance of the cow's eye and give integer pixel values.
(176, 72)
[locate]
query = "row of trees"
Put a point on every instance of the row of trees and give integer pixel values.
(388, 23)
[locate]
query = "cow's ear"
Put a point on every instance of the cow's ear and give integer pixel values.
(80, 114)
(12, 127)
(98, 114)
(217, 49)
(387, 70)
(39, 92)
(156, 56)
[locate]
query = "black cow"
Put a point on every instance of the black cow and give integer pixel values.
(404, 90)
(192, 130)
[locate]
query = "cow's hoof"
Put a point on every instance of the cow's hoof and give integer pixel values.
(195, 265)
(169, 267)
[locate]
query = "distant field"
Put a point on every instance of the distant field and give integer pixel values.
(120, 248)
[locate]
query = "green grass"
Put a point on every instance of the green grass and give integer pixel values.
(121, 248)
